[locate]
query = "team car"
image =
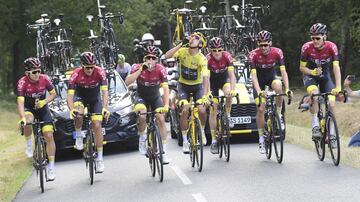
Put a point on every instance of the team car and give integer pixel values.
(121, 126)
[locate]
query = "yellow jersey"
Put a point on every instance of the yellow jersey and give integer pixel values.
(191, 67)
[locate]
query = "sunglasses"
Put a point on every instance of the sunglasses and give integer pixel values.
(264, 45)
(195, 36)
(35, 72)
(217, 50)
(317, 38)
(151, 57)
(89, 67)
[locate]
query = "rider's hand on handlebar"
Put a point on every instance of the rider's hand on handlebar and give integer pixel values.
(261, 93)
(205, 99)
(336, 90)
(163, 109)
(233, 93)
(288, 92)
(22, 121)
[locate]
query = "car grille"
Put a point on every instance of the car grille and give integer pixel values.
(243, 110)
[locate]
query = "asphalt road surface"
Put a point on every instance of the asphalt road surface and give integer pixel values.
(248, 176)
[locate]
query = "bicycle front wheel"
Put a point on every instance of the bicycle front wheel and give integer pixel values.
(278, 138)
(150, 152)
(226, 136)
(158, 151)
(268, 138)
(40, 159)
(198, 146)
(334, 139)
(320, 147)
(90, 155)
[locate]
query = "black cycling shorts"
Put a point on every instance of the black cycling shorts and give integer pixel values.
(185, 91)
(150, 104)
(217, 82)
(324, 84)
(95, 105)
(42, 114)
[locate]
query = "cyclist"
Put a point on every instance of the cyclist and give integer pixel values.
(317, 56)
(32, 103)
(194, 79)
(150, 76)
(222, 76)
(263, 61)
(84, 88)
(123, 68)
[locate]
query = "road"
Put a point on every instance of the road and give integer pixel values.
(248, 176)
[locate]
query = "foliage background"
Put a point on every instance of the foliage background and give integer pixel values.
(289, 21)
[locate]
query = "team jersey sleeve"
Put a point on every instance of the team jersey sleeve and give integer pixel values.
(163, 76)
(304, 55)
(335, 53)
(20, 88)
(49, 85)
(229, 60)
(134, 68)
(179, 53)
(281, 59)
(103, 79)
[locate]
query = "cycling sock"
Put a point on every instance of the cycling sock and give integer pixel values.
(261, 135)
(142, 136)
(99, 153)
(51, 162)
(78, 133)
(164, 143)
(315, 120)
(332, 128)
(28, 141)
(213, 136)
(228, 110)
(184, 135)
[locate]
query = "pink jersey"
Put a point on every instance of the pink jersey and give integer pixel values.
(315, 57)
(34, 90)
(80, 79)
(221, 65)
(149, 81)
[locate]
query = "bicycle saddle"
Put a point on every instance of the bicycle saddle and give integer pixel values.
(42, 21)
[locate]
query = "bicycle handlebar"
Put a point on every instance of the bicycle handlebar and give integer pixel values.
(22, 125)
(327, 94)
(271, 96)
(222, 97)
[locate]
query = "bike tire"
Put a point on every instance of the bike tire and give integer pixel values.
(220, 137)
(268, 146)
(158, 151)
(334, 151)
(40, 162)
(192, 144)
(226, 136)
(90, 155)
(278, 138)
(150, 153)
(199, 155)
(320, 147)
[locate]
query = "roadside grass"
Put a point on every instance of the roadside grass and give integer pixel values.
(15, 168)
(299, 128)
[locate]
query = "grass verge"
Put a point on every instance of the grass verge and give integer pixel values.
(299, 128)
(15, 168)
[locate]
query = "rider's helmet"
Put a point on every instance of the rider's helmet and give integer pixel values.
(264, 36)
(87, 58)
(318, 28)
(32, 63)
(202, 39)
(216, 42)
(151, 51)
(121, 58)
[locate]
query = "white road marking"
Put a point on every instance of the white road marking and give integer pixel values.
(199, 197)
(181, 175)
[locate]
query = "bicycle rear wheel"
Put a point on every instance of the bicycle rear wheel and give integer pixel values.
(226, 136)
(198, 146)
(334, 139)
(90, 155)
(278, 138)
(158, 151)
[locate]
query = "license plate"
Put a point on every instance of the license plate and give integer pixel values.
(240, 120)
(103, 131)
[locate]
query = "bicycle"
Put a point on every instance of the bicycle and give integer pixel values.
(174, 112)
(184, 25)
(60, 48)
(109, 44)
(95, 46)
(274, 132)
(223, 134)
(195, 137)
(42, 27)
(40, 159)
(89, 153)
(326, 120)
(154, 146)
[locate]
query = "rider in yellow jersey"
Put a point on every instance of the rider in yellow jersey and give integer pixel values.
(193, 81)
